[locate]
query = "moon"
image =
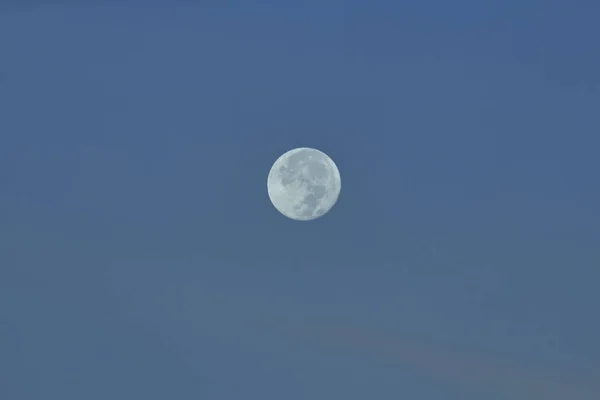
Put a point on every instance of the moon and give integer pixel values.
(304, 184)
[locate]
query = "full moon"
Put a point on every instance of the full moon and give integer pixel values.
(304, 184)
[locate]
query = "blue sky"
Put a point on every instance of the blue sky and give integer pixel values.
(140, 256)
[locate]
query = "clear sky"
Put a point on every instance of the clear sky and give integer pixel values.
(140, 257)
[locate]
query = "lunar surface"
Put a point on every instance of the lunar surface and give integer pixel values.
(304, 184)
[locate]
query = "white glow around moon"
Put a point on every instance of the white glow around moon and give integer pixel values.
(304, 184)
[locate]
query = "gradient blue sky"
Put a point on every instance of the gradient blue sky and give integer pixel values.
(140, 257)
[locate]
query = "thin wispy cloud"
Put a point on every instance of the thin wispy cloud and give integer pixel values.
(440, 363)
